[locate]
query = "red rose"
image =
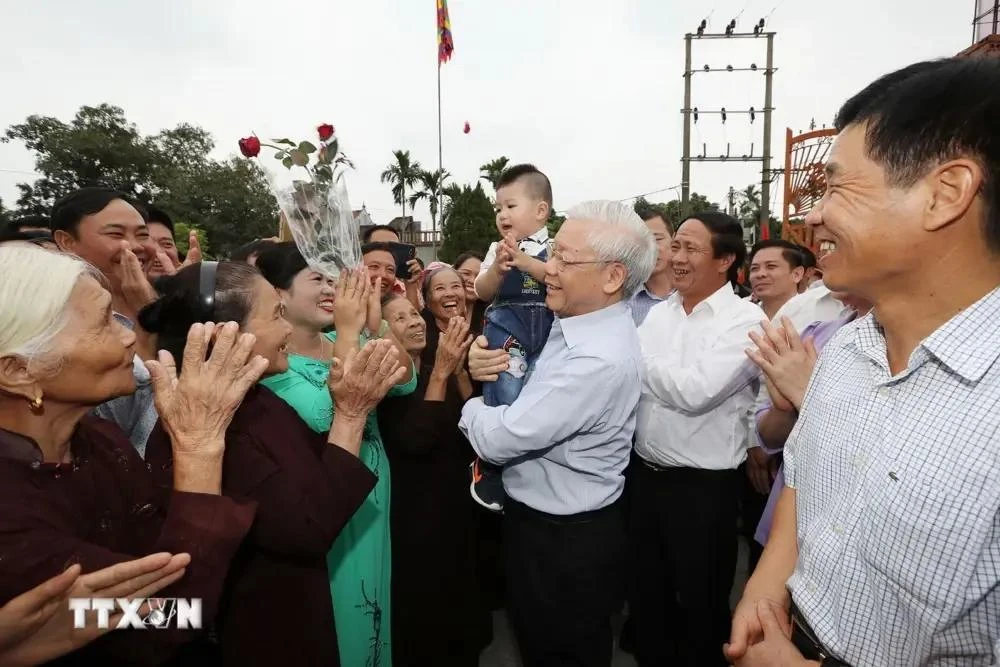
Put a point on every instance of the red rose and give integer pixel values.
(325, 131)
(250, 146)
(467, 127)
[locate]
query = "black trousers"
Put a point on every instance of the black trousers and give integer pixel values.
(565, 579)
(684, 545)
(752, 505)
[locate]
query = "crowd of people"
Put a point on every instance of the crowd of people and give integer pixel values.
(360, 469)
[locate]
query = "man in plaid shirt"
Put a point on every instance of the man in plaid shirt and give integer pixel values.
(886, 544)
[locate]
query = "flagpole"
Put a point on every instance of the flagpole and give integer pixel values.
(440, 164)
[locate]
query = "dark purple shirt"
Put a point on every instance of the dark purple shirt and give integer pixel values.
(102, 509)
(277, 608)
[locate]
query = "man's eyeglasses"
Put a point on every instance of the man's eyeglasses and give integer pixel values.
(561, 263)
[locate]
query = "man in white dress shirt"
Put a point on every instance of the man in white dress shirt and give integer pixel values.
(690, 439)
(885, 545)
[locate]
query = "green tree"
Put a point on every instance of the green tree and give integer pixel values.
(492, 170)
(676, 211)
(230, 200)
(401, 174)
(468, 222)
(431, 187)
(645, 209)
(4, 215)
(554, 222)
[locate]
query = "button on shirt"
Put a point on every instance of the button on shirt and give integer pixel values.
(699, 384)
(898, 495)
(566, 440)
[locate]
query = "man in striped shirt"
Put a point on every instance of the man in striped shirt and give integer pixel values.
(885, 548)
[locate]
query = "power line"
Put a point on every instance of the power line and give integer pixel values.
(18, 171)
(654, 192)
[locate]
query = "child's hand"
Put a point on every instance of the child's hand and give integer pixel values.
(517, 257)
(504, 260)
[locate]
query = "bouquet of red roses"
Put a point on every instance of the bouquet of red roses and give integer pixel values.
(315, 207)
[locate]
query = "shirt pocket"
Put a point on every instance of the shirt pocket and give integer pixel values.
(922, 539)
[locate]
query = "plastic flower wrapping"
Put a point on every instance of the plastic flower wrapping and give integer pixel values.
(315, 208)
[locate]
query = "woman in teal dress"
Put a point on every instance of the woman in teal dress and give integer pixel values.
(359, 563)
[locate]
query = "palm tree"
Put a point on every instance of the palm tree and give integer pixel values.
(749, 208)
(491, 171)
(401, 174)
(432, 186)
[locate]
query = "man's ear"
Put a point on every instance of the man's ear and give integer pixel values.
(65, 240)
(798, 273)
(725, 262)
(16, 379)
(954, 186)
(617, 275)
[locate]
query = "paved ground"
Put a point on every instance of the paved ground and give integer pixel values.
(503, 653)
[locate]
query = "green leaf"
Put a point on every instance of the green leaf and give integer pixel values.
(287, 162)
(307, 147)
(298, 158)
(280, 155)
(287, 142)
(333, 147)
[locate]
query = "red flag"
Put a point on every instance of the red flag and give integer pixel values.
(445, 43)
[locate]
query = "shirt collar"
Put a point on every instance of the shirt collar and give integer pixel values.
(541, 237)
(18, 447)
(645, 290)
(575, 329)
(716, 302)
(968, 343)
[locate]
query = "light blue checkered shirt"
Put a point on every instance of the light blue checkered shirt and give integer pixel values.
(898, 495)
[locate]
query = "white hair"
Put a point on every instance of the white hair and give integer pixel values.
(622, 237)
(35, 286)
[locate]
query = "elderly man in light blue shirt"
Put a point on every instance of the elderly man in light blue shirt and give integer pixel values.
(565, 442)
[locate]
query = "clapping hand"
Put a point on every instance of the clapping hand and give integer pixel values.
(453, 345)
(787, 362)
(197, 407)
(37, 626)
(194, 250)
(360, 381)
(136, 290)
(351, 306)
(516, 256)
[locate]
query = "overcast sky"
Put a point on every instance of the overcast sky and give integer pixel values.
(589, 90)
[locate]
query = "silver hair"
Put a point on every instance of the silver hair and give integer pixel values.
(35, 287)
(621, 237)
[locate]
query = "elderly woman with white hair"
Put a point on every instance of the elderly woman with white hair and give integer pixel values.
(565, 441)
(72, 488)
